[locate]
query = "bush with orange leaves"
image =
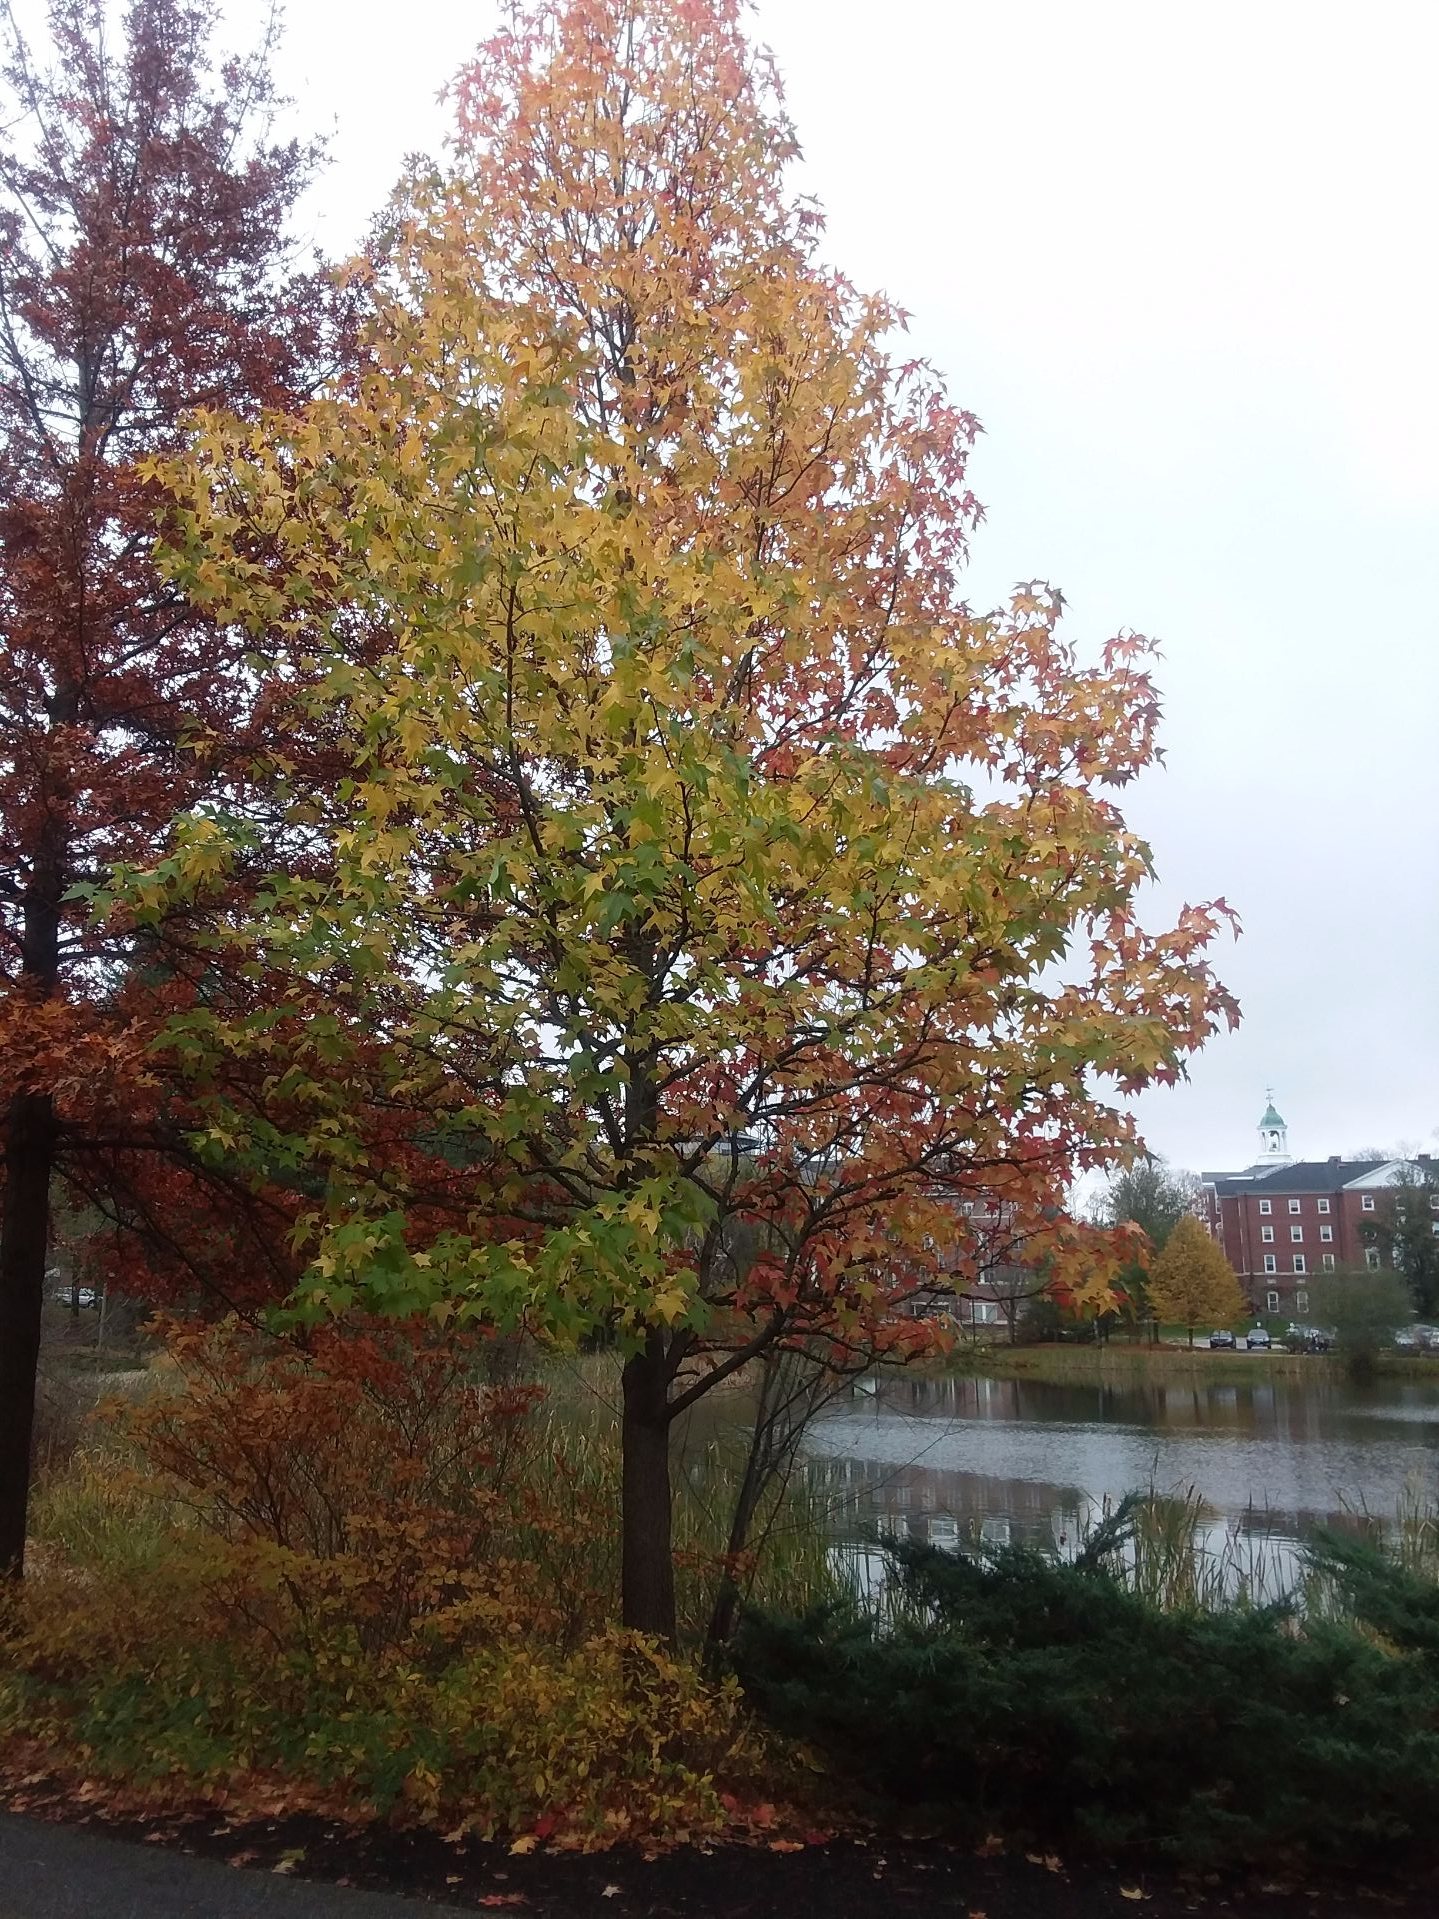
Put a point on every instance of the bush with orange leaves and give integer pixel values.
(377, 1476)
(369, 1585)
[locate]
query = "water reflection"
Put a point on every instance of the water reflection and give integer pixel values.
(1027, 1460)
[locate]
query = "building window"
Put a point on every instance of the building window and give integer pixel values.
(1271, 1264)
(1327, 1262)
(1296, 1235)
(1324, 1205)
(1326, 1235)
(1301, 1301)
(1265, 1207)
(1299, 1265)
(1271, 1301)
(1266, 1234)
(1371, 1258)
(1367, 1203)
(1294, 1205)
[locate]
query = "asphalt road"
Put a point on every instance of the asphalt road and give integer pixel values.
(54, 1871)
(60, 1872)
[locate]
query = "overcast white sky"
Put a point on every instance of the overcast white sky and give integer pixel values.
(1181, 262)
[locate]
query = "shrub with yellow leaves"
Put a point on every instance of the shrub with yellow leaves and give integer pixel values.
(346, 1582)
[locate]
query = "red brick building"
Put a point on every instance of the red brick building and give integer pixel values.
(1282, 1220)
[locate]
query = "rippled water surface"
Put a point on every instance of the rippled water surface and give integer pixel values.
(1025, 1459)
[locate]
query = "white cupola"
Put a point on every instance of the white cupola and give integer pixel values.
(1273, 1136)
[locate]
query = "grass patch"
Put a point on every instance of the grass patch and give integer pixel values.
(1120, 1363)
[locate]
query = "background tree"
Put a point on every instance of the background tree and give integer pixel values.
(143, 272)
(1403, 1230)
(1364, 1310)
(702, 858)
(1014, 1288)
(1154, 1196)
(1191, 1281)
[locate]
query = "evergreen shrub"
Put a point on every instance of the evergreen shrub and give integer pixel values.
(1047, 1701)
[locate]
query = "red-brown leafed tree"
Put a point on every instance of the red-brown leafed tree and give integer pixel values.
(145, 270)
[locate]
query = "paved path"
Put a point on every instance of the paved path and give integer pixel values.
(62, 1872)
(52, 1871)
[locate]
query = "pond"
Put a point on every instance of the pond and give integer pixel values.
(1020, 1460)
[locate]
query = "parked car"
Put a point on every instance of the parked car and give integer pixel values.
(1257, 1340)
(1428, 1337)
(1406, 1340)
(64, 1294)
(1222, 1340)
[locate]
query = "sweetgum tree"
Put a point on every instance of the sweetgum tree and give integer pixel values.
(720, 895)
(143, 272)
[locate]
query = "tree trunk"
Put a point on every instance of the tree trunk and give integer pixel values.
(24, 1237)
(647, 1574)
(758, 1462)
(31, 1136)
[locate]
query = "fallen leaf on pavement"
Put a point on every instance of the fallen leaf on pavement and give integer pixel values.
(525, 1843)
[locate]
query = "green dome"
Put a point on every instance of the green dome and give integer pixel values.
(1271, 1118)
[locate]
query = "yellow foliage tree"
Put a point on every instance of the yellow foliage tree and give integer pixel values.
(1192, 1281)
(715, 877)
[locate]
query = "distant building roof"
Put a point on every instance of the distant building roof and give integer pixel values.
(1303, 1176)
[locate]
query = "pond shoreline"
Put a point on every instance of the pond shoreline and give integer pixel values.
(1117, 1361)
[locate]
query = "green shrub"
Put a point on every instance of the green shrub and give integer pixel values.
(1048, 1700)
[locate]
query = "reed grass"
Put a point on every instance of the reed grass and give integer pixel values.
(102, 1513)
(791, 1564)
(1173, 1561)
